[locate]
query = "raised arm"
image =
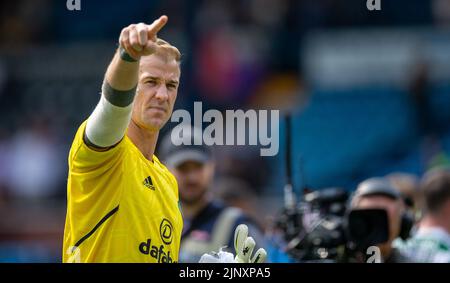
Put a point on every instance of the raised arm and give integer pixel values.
(107, 124)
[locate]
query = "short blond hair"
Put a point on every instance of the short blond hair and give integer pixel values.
(167, 51)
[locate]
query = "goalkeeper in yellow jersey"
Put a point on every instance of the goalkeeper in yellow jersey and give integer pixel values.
(122, 202)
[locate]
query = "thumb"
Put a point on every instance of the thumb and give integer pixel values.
(150, 47)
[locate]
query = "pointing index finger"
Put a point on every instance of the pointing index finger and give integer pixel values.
(157, 25)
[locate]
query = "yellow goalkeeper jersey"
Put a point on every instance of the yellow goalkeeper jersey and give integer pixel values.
(121, 207)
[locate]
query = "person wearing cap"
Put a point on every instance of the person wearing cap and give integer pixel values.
(209, 224)
(431, 242)
(378, 193)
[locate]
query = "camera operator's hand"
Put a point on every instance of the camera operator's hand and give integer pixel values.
(244, 246)
(139, 39)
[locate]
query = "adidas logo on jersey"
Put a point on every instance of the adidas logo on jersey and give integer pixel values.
(148, 183)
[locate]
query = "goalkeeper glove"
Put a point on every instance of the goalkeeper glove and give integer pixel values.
(243, 245)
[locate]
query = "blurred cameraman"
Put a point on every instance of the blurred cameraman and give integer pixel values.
(378, 193)
(408, 185)
(431, 242)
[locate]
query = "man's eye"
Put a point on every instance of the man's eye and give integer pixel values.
(152, 83)
(171, 86)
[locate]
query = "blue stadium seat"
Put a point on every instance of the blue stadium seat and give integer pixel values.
(341, 132)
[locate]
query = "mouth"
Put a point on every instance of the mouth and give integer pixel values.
(157, 108)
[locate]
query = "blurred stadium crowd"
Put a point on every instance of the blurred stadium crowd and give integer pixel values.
(368, 92)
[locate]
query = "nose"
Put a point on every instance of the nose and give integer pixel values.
(161, 93)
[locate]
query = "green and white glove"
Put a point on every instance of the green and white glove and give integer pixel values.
(244, 246)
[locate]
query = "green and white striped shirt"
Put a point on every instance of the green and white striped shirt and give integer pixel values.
(431, 245)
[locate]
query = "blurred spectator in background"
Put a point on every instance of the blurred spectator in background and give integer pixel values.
(237, 193)
(378, 193)
(239, 162)
(431, 243)
(35, 164)
(209, 224)
(4, 163)
(24, 21)
(283, 91)
(441, 12)
(31, 173)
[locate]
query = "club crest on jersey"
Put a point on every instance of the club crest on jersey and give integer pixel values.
(159, 253)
